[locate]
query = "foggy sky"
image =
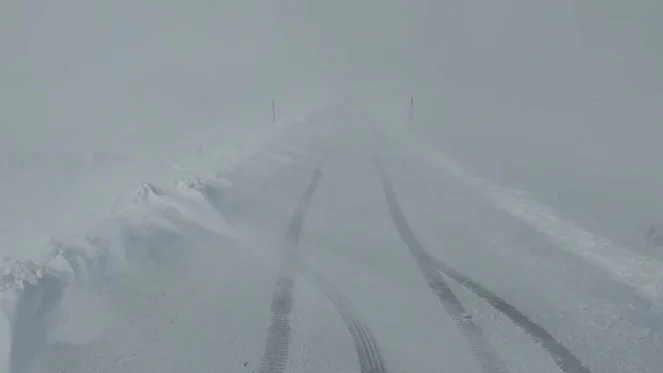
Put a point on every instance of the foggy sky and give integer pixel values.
(105, 71)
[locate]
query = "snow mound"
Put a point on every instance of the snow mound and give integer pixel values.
(147, 191)
(156, 225)
(14, 273)
(28, 295)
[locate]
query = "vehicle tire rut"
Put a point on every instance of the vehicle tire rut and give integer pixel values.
(277, 344)
(564, 358)
(486, 355)
(433, 269)
(368, 351)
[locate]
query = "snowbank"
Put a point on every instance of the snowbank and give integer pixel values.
(642, 272)
(153, 225)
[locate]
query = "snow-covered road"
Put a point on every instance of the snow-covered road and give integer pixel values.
(349, 250)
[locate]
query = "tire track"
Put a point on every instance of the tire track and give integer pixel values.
(564, 358)
(368, 351)
(487, 357)
(561, 355)
(277, 344)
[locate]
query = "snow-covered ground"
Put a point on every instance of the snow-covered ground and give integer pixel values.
(337, 244)
(153, 219)
(72, 225)
(596, 163)
(61, 191)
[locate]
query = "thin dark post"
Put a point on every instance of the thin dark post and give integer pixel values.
(273, 112)
(411, 108)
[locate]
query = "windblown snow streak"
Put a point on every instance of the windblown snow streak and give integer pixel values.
(277, 344)
(643, 273)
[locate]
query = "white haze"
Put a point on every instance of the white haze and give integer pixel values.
(560, 98)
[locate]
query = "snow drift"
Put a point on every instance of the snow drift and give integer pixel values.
(151, 228)
(155, 224)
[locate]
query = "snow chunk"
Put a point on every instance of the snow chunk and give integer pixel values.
(189, 183)
(15, 273)
(147, 191)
